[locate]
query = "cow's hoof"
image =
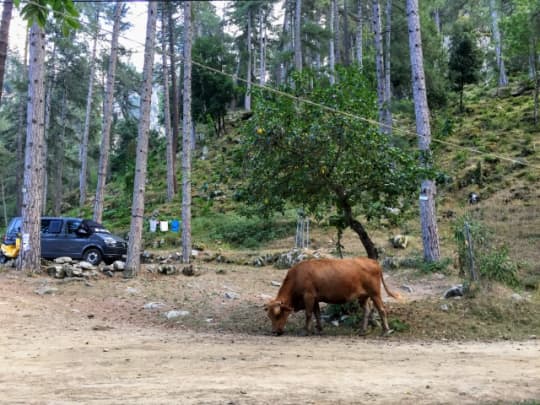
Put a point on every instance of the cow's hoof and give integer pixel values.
(387, 333)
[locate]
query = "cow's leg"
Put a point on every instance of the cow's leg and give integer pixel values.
(309, 303)
(317, 311)
(364, 302)
(382, 313)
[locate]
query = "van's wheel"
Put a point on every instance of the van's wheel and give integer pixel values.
(3, 258)
(92, 256)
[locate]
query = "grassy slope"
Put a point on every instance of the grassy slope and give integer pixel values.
(492, 125)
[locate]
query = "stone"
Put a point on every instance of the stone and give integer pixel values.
(173, 314)
(45, 289)
(231, 295)
(154, 305)
(407, 288)
(119, 265)
(400, 241)
(455, 291)
(63, 259)
(86, 266)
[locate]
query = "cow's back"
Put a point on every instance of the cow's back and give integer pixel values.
(333, 280)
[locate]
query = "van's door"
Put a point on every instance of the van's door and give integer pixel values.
(51, 231)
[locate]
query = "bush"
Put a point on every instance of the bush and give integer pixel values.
(491, 261)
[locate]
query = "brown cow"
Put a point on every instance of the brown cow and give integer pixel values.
(334, 281)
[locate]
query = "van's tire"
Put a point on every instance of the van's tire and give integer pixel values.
(92, 256)
(3, 259)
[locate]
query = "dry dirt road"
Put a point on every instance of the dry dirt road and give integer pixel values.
(53, 352)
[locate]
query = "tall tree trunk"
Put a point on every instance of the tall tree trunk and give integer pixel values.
(428, 218)
(247, 99)
(346, 36)
(332, 50)
(359, 34)
(47, 135)
(379, 63)
(4, 40)
(59, 160)
(107, 117)
(387, 72)
(175, 124)
(19, 176)
(133, 260)
(83, 149)
(167, 113)
(30, 255)
(186, 144)
(262, 46)
(286, 32)
(503, 79)
(298, 35)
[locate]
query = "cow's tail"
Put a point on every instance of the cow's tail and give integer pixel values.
(395, 295)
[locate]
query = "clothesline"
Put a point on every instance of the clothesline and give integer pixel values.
(163, 225)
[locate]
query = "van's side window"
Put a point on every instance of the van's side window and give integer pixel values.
(72, 226)
(51, 226)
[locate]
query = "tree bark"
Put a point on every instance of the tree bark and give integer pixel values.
(19, 176)
(175, 124)
(357, 227)
(4, 40)
(107, 117)
(167, 113)
(379, 63)
(133, 260)
(503, 79)
(387, 71)
(83, 149)
(59, 160)
(262, 46)
(332, 44)
(247, 98)
(298, 36)
(359, 36)
(428, 218)
(346, 36)
(186, 145)
(30, 255)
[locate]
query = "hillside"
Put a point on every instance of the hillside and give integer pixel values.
(478, 151)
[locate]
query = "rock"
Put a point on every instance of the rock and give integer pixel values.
(151, 269)
(154, 305)
(188, 270)
(456, 291)
(147, 257)
(275, 283)
(56, 271)
(86, 266)
(77, 272)
(131, 290)
(167, 269)
(63, 259)
(407, 288)
(231, 295)
(175, 314)
(516, 297)
(67, 269)
(400, 241)
(45, 289)
(444, 307)
(119, 265)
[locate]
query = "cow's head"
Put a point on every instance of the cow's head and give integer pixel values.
(278, 313)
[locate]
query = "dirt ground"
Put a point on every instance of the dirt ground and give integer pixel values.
(94, 342)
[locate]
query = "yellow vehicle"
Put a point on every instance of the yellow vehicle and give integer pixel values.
(11, 251)
(11, 242)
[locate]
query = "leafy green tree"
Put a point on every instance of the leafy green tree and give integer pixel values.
(464, 63)
(318, 153)
(212, 92)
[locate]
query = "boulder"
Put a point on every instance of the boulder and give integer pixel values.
(400, 241)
